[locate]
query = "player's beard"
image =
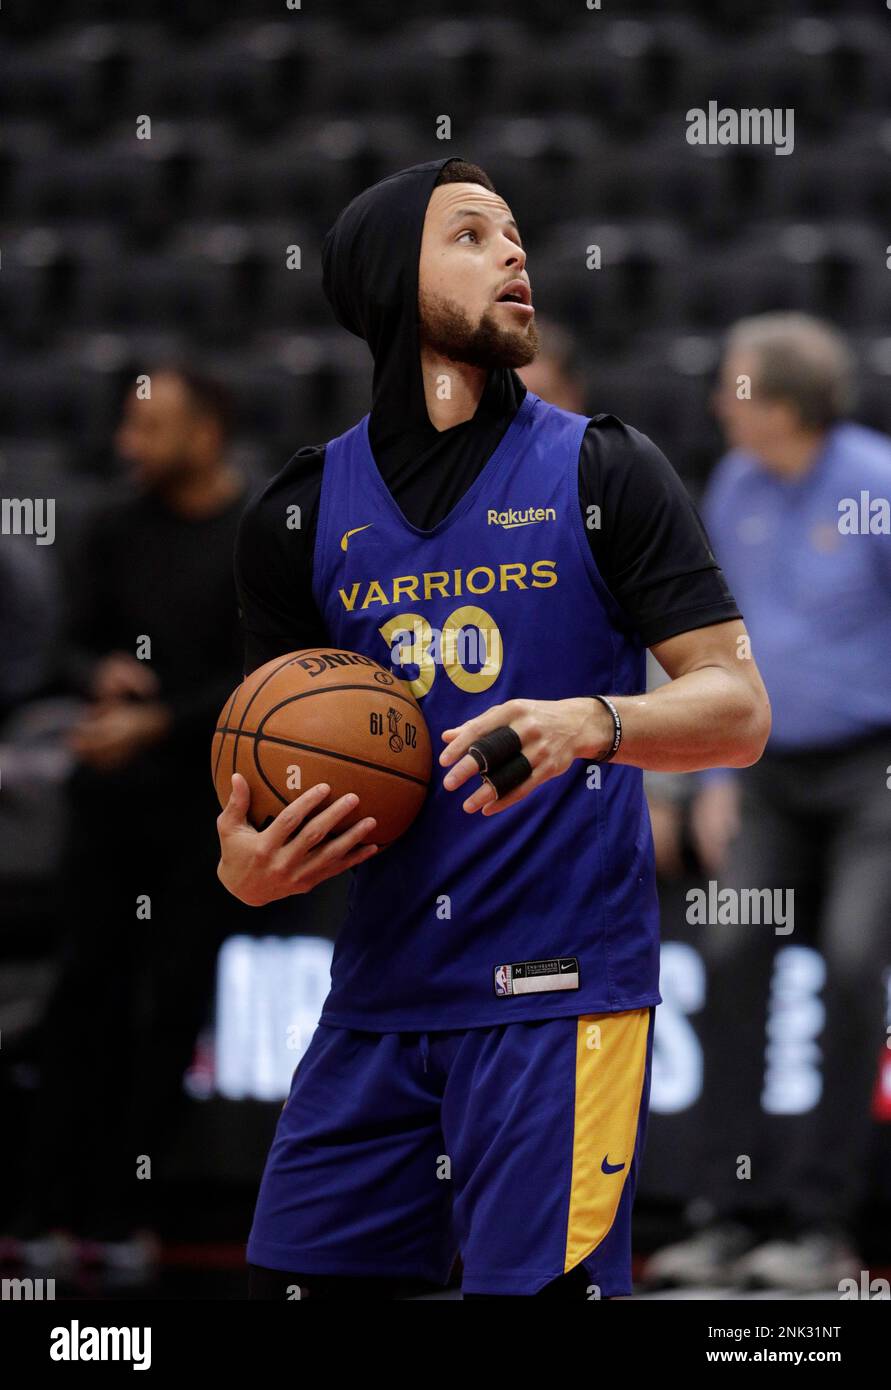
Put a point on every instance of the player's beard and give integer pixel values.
(446, 329)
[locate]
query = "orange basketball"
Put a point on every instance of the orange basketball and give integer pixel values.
(326, 715)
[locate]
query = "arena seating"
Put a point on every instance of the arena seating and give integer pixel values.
(116, 250)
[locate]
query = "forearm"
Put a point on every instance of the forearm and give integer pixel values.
(709, 717)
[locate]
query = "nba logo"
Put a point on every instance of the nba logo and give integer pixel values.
(502, 979)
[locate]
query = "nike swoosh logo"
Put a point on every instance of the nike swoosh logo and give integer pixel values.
(346, 535)
(607, 1167)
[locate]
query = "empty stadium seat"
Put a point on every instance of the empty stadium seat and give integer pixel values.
(117, 250)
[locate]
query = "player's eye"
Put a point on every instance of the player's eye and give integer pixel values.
(468, 231)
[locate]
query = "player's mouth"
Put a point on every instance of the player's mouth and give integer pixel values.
(519, 296)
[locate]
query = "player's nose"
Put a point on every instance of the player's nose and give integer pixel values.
(513, 256)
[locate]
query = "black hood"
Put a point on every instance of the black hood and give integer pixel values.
(370, 277)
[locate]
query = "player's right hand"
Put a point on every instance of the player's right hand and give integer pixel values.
(260, 866)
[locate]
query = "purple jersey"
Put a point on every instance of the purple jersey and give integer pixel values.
(549, 908)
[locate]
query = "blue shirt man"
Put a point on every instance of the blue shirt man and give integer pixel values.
(808, 557)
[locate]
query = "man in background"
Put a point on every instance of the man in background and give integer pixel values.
(556, 374)
(812, 575)
(155, 649)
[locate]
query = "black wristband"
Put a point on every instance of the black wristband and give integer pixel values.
(617, 729)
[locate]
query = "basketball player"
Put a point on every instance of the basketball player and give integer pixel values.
(479, 1080)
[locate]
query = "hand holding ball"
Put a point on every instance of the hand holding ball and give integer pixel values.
(326, 715)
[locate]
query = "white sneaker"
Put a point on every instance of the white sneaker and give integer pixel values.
(705, 1258)
(812, 1262)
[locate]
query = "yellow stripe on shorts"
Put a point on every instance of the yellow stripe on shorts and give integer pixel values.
(610, 1061)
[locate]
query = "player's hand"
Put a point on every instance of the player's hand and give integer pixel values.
(552, 733)
(120, 676)
(261, 866)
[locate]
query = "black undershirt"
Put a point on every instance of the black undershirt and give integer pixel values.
(650, 549)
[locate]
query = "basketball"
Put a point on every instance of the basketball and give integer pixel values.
(326, 715)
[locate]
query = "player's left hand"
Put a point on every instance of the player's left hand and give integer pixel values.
(551, 733)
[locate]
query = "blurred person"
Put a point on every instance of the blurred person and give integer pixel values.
(423, 1046)
(555, 373)
(814, 815)
(154, 646)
